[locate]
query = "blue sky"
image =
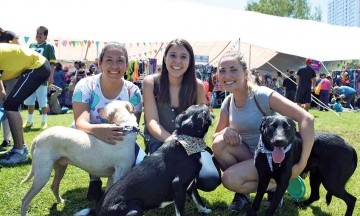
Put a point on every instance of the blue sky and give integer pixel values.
(241, 4)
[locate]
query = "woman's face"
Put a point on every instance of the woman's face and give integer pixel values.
(177, 61)
(231, 74)
(113, 64)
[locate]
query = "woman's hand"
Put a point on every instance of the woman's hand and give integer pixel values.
(109, 133)
(297, 169)
(231, 136)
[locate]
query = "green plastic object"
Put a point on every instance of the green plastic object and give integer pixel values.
(296, 188)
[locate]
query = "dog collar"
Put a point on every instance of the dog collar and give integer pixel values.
(262, 149)
(133, 129)
(191, 144)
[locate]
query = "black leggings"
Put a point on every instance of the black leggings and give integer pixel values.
(27, 84)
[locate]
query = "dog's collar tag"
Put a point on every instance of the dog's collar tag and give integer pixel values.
(262, 149)
(191, 145)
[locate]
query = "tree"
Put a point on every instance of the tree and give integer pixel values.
(300, 9)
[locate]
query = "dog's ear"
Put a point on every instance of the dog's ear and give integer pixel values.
(263, 123)
(179, 121)
(292, 124)
(129, 107)
(102, 114)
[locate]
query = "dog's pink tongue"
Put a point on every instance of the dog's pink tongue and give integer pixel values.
(278, 155)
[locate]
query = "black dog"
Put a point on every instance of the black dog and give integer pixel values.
(332, 161)
(166, 175)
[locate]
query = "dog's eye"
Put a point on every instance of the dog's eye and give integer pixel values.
(273, 124)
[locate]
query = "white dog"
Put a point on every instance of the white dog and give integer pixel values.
(59, 146)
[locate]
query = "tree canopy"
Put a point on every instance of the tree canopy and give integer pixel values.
(300, 9)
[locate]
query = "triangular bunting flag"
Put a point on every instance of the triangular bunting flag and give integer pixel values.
(82, 43)
(56, 42)
(97, 44)
(26, 39)
(85, 42)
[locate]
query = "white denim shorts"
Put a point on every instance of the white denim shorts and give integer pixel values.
(40, 95)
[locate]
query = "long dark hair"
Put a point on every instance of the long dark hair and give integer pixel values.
(188, 89)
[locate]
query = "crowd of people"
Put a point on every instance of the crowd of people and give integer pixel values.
(165, 94)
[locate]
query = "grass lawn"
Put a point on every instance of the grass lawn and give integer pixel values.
(75, 182)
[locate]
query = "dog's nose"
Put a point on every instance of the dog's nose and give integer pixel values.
(280, 142)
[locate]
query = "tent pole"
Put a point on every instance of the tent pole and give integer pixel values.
(219, 53)
(86, 52)
(250, 57)
(159, 49)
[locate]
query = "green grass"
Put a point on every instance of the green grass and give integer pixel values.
(75, 182)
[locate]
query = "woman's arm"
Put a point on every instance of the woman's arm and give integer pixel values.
(2, 90)
(150, 111)
(106, 132)
(201, 94)
(305, 122)
(230, 135)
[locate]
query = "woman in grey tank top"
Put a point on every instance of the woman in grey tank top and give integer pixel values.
(240, 119)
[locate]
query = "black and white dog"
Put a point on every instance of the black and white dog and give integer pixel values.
(332, 162)
(165, 176)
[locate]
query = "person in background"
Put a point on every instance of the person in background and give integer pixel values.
(60, 81)
(91, 71)
(279, 83)
(12, 38)
(289, 86)
(94, 92)
(32, 69)
(54, 104)
(169, 93)
(97, 69)
(325, 92)
(48, 51)
(347, 93)
(305, 79)
(339, 108)
(237, 132)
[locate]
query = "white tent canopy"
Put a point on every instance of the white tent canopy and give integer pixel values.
(158, 21)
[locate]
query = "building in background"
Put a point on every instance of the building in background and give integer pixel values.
(344, 12)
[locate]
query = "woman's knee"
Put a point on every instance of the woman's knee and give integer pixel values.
(218, 146)
(228, 181)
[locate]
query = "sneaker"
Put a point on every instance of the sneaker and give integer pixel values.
(94, 192)
(43, 125)
(13, 157)
(270, 198)
(28, 125)
(239, 202)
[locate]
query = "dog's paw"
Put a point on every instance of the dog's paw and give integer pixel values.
(204, 210)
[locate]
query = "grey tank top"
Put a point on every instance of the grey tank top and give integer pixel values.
(247, 119)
